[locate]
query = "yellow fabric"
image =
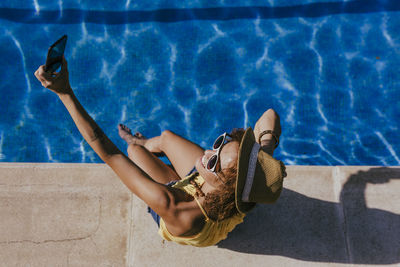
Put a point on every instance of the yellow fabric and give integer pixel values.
(212, 232)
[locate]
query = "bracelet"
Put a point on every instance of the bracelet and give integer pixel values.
(269, 132)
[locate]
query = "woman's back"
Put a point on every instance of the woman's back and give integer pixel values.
(190, 224)
(187, 219)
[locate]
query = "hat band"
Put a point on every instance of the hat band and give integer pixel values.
(250, 172)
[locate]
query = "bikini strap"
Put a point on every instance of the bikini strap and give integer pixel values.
(202, 210)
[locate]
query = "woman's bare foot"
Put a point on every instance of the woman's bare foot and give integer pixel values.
(126, 134)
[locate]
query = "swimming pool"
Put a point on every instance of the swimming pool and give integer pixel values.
(199, 68)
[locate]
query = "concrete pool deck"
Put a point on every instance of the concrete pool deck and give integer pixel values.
(82, 215)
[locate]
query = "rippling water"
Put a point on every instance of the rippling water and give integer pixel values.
(330, 69)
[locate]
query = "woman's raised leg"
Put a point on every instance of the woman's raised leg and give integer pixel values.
(146, 160)
(181, 152)
(150, 164)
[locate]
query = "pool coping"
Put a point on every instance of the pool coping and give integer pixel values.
(81, 214)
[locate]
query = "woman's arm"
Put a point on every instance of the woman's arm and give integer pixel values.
(156, 195)
(268, 121)
(89, 129)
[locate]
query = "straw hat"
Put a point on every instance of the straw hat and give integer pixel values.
(259, 175)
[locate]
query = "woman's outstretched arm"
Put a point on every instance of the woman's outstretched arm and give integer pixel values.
(156, 195)
(89, 129)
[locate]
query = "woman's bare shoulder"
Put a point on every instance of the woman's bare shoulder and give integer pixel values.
(186, 219)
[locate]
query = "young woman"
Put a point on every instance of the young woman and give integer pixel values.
(206, 193)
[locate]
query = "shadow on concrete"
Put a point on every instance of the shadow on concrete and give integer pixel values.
(310, 229)
(311, 10)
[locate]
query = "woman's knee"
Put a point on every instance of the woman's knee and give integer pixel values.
(272, 113)
(134, 149)
(165, 135)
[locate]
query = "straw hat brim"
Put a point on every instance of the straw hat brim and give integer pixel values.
(245, 148)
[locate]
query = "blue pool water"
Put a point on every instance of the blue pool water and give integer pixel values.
(199, 68)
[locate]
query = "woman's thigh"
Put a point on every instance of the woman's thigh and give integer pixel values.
(181, 152)
(150, 164)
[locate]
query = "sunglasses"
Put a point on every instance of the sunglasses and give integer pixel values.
(217, 146)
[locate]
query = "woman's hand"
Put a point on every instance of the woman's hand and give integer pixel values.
(268, 121)
(56, 82)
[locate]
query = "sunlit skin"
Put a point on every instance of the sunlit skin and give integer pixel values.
(227, 158)
(145, 174)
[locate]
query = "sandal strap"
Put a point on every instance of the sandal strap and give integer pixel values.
(269, 132)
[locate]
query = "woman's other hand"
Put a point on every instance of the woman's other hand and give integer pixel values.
(56, 82)
(268, 121)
